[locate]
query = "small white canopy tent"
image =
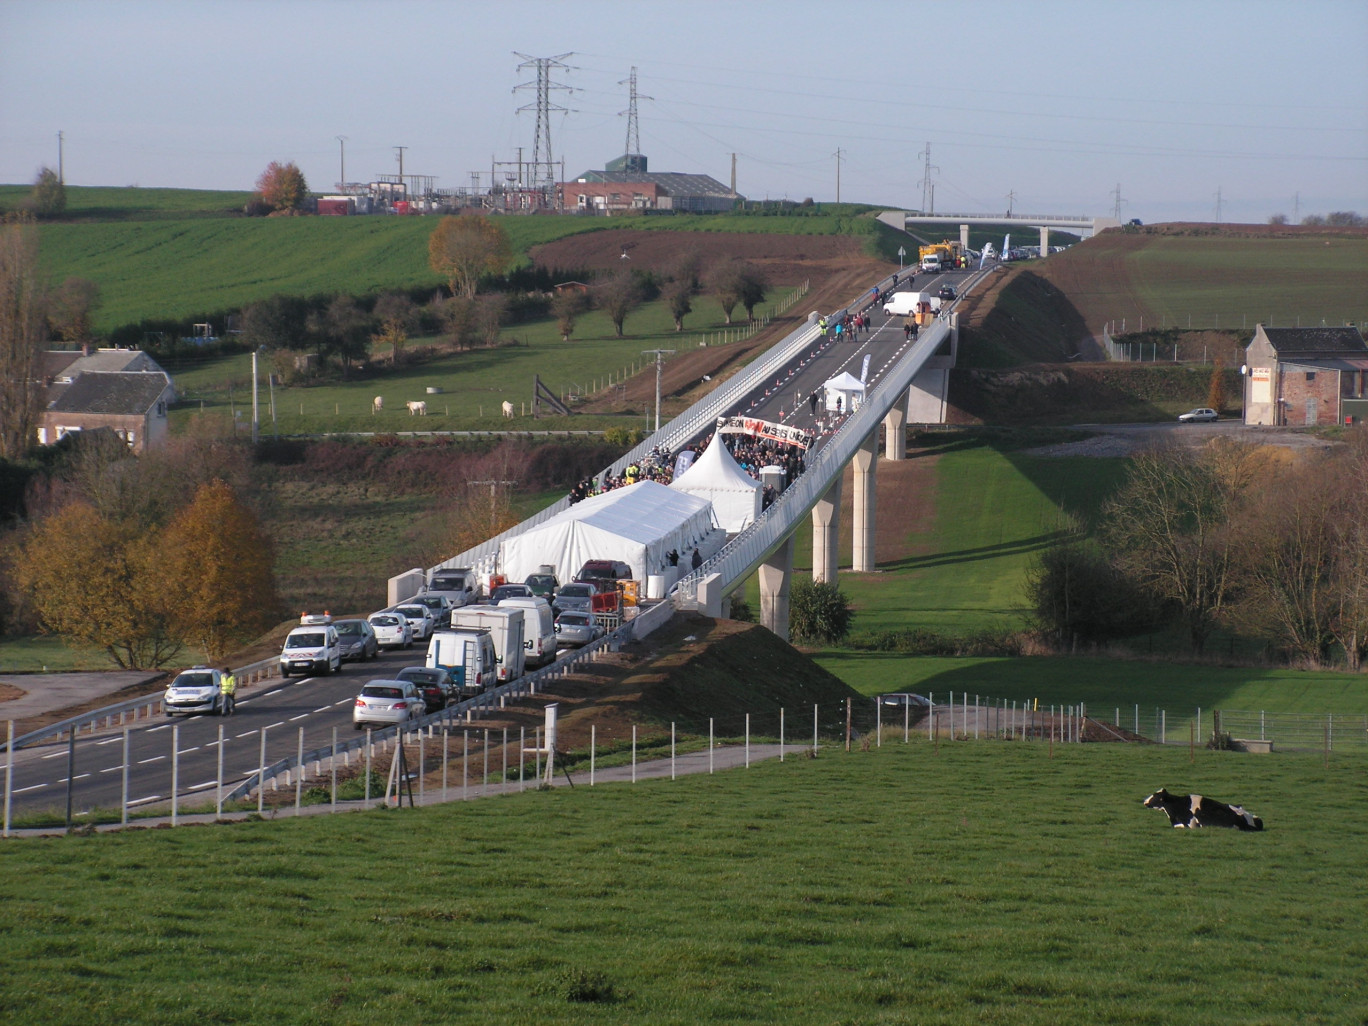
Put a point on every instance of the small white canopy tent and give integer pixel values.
(846, 388)
(638, 524)
(734, 494)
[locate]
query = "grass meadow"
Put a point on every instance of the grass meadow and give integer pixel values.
(967, 883)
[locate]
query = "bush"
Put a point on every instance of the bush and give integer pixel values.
(624, 437)
(1078, 595)
(818, 612)
(741, 610)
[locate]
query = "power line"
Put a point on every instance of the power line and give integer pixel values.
(543, 169)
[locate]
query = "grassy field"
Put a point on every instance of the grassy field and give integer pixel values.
(998, 883)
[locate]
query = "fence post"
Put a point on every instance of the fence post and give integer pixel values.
(332, 769)
(634, 732)
(218, 780)
(593, 745)
(299, 777)
(781, 733)
(261, 775)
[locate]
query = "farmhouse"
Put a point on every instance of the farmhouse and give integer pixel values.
(123, 390)
(1296, 377)
(626, 185)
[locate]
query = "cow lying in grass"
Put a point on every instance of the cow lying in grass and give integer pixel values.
(1195, 810)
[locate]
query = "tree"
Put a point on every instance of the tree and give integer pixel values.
(1278, 219)
(48, 198)
(1216, 394)
(341, 330)
(21, 337)
(618, 297)
(752, 292)
(457, 315)
(489, 316)
(679, 297)
(98, 582)
(464, 249)
(1169, 528)
(70, 309)
(282, 186)
(724, 281)
(395, 312)
(220, 564)
(1349, 561)
(818, 612)
(1077, 594)
(566, 308)
(280, 322)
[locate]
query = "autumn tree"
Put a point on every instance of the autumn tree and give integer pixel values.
(395, 312)
(98, 582)
(21, 336)
(464, 249)
(221, 566)
(49, 198)
(1216, 395)
(71, 307)
(566, 308)
(282, 186)
(617, 297)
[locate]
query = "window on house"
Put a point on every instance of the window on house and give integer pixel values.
(1310, 375)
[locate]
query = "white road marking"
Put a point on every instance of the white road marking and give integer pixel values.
(183, 751)
(111, 769)
(110, 741)
(247, 734)
(153, 730)
(201, 787)
(325, 708)
(272, 726)
(268, 694)
(31, 787)
(299, 717)
(155, 758)
(55, 755)
(144, 801)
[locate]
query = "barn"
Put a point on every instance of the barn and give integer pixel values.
(1301, 377)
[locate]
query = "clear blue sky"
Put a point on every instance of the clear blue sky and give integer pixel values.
(1057, 102)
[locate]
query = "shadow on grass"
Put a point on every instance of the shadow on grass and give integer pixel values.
(1012, 548)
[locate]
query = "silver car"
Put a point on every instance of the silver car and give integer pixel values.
(577, 597)
(574, 629)
(419, 618)
(357, 638)
(388, 702)
(391, 630)
(195, 690)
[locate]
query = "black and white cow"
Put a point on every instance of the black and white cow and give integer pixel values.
(1195, 810)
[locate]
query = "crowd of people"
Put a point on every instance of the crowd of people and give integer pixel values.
(845, 328)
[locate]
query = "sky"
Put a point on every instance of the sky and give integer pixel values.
(1197, 110)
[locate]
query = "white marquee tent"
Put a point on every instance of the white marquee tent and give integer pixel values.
(847, 388)
(638, 524)
(734, 494)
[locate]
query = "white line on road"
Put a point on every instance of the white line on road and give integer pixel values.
(31, 787)
(272, 726)
(299, 717)
(55, 755)
(201, 787)
(111, 769)
(247, 734)
(325, 708)
(155, 758)
(184, 751)
(144, 801)
(268, 694)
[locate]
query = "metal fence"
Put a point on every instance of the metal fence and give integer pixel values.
(1277, 730)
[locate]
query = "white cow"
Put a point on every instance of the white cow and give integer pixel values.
(507, 408)
(418, 409)
(377, 404)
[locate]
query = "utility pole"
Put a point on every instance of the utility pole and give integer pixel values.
(659, 354)
(1296, 208)
(61, 170)
(733, 176)
(927, 187)
(342, 170)
(838, 174)
(1116, 206)
(543, 168)
(1011, 196)
(633, 135)
(1218, 204)
(493, 495)
(400, 151)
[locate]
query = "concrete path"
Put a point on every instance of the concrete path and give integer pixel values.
(53, 692)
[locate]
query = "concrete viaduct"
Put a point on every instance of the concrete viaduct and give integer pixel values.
(1086, 226)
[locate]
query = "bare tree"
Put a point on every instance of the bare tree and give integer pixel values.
(725, 283)
(618, 297)
(394, 311)
(21, 337)
(566, 308)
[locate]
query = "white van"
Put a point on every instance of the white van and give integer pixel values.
(506, 626)
(539, 629)
(458, 585)
(468, 657)
(312, 647)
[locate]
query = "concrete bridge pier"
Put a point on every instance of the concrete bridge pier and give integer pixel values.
(826, 534)
(895, 431)
(774, 575)
(864, 461)
(1044, 240)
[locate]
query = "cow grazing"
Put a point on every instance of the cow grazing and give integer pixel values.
(507, 408)
(377, 404)
(1195, 810)
(418, 408)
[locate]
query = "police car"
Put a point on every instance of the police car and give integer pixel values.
(195, 690)
(312, 647)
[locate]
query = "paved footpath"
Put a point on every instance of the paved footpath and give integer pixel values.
(727, 757)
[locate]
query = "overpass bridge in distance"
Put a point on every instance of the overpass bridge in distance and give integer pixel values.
(1087, 226)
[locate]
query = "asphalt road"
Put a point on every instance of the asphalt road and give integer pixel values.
(321, 705)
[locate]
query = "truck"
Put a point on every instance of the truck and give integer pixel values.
(539, 629)
(467, 656)
(507, 628)
(940, 256)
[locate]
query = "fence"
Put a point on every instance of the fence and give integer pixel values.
(1285, 731)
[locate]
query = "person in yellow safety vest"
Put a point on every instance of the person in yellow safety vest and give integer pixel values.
(228, 687)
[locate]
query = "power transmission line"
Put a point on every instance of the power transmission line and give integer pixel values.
(543, 168)
(633, 133)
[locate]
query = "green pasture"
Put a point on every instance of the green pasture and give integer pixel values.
(132, 203)
(1011, 883)
(1232, 283)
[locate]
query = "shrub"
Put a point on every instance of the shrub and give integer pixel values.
(818, 612)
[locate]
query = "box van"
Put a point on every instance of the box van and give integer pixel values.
(505, 626)
(539, 630)
(467, 656)
(459, 585)
(312, 647)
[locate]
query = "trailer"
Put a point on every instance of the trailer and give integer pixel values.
(507, 629)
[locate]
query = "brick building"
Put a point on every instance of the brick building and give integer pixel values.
(132, 404)
(625, 184)
(1300, 377)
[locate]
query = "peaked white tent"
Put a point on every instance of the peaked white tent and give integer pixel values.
(638, 524)
(847, 388)
(734, 494)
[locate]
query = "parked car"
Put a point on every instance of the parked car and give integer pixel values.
(388, 702)
(575, 629)
(604, 572)
(917, 705)
(1200, 414)
(946, 292)
(195, 690)
(391, 630)
(419, 618)
(459, 584)
(312, 647)
(430, 675)
(576, 597)
(357, 638)
(543, 585)
(505, 591)
(438, 605)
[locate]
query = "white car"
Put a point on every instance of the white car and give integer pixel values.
(419, 617)
(388, 702)
(195, 690)
(391, 630)
(312, 647)
(1200, 414)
